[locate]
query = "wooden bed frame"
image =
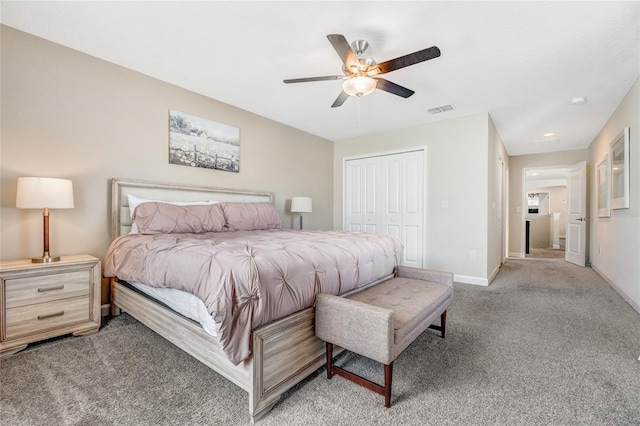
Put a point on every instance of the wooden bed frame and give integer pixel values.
(283, 352)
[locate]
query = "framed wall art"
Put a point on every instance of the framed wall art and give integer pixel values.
(619, 163)
(602, 176)
(198, 142)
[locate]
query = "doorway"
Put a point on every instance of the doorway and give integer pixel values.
(545, 212)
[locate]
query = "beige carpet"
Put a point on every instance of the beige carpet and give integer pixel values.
(548, 343)
(545, 253)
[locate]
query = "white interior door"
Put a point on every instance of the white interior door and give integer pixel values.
(575, 250)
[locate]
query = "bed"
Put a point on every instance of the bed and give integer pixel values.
(282, 351)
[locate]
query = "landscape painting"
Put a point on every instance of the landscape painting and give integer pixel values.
(198, 142)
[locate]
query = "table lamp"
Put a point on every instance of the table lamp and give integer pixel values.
(44, 193)
(301, 205)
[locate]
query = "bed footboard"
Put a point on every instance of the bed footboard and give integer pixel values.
(284, 352)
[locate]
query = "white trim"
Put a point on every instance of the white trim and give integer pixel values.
(516, 255)
(620, 291)
(466, 279)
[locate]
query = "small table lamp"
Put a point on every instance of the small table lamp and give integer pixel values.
(301, 205)
(44, 193)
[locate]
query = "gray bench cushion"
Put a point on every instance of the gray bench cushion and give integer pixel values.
(411, 301)
(382, 320)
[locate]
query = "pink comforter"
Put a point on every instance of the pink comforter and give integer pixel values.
(250, 278)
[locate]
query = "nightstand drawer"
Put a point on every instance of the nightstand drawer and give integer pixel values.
(43, 316)
(41, 289)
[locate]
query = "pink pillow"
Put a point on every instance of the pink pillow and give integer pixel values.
(250, 216)
(164, 218)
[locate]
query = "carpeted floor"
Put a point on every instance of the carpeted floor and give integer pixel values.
(545, 253)
(547, 343)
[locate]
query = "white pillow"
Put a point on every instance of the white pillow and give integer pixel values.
(135, 201)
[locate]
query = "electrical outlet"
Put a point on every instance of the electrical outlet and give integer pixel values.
(445, 204)
(473, 255)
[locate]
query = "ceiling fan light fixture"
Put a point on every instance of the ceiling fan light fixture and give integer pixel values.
(359, 86)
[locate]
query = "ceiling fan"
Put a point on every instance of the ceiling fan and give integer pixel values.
(361, 71)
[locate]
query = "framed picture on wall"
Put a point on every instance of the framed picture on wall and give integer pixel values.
(619, 158)
(602, 176)
(198, 142)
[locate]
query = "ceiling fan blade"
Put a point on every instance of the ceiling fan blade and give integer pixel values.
(394, 88)
(341, 45)
(407, 60)
(307, 79)
(340, 100)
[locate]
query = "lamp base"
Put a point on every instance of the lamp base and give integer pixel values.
(45, 259)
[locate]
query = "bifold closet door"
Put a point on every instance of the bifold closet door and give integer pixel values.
(385, 194)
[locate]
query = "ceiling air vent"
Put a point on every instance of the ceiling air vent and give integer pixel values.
(438, 110)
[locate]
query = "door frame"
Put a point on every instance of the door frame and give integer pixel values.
(425, 170)
(504, 202)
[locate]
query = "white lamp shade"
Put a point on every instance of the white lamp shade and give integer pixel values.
(359, 86)
(40, 193)
(301, 205)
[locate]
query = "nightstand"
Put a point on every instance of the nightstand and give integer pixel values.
(43, 300)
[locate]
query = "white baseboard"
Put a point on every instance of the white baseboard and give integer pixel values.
(465, 279)
(105, 310)
(621, 292)
(516, 255)
(556, 246)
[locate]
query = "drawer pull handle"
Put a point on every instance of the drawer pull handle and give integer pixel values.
(56, 314)
(42, 290)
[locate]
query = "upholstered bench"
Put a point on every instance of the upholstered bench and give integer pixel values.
(383, 320)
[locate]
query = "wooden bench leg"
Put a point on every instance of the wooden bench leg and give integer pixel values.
(382, 390)
(329, 360)
(388, 373)
(443, 324)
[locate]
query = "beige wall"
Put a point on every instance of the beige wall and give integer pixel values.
(457, 171)
(538, 230)
(69, 115)
(615, 240)
(517, 205)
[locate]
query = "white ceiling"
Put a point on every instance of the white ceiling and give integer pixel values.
(522, 62)
(545, 177)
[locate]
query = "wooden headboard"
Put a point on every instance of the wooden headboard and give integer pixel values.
(120, 188)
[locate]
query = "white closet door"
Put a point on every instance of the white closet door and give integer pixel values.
(354, 198)
(391, 196)
(371, 199)
(413, 208)
(361, 198)
(385, 194)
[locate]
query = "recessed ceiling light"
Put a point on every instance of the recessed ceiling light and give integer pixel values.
(546, 135)
(579, 100)
(534, 174)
